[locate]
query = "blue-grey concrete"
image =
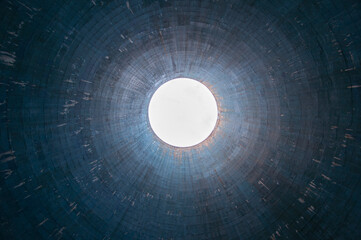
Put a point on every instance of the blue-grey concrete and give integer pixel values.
(78, 159)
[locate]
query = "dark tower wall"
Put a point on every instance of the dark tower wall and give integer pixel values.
(78, 159)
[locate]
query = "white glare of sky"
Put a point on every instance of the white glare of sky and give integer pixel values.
(183, 112)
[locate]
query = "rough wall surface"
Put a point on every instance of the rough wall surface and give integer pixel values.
(78, 159)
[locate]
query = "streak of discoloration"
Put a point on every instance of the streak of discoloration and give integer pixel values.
(7, 58)
(316, 161)
(42, 222)
(349, 136)
(14, 34)
(73, 206)
(86, 81)
(334, 164)
(78, 131)
(7, 173)
(19, 185)
(68, 104)
(161, 38)
(262, 184)
(354, 86)
(311, 209)
(6, 153)
(21, 83)
(7, 156)
(219, 178)
(325, 177)
(8, 159)
(60, 232)
(128, 6)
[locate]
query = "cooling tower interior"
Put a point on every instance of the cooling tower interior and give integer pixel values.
(78, 157)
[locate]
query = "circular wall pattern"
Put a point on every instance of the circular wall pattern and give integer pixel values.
(79, 160)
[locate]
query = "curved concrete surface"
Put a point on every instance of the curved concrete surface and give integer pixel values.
(78, 159)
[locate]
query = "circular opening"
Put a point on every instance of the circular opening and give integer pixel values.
(183, 112)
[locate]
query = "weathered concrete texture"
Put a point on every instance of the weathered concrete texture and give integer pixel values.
(78, 159)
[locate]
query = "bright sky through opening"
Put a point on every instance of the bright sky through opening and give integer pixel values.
(183, 112)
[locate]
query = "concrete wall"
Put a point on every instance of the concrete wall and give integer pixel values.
(78, 159)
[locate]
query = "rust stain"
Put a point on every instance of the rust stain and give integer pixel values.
(219, 178)
(161, 38)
